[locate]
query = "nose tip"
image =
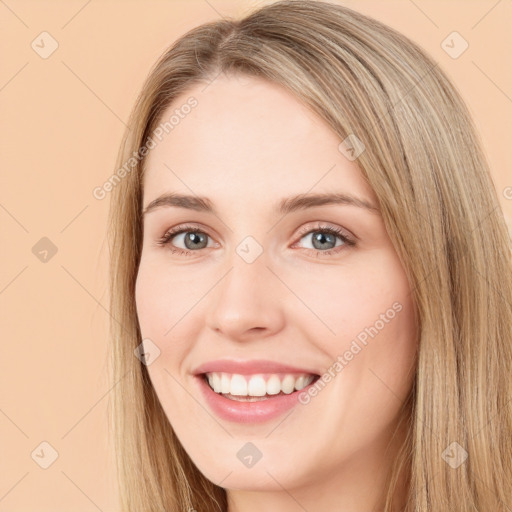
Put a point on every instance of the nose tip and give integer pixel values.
(244, 303)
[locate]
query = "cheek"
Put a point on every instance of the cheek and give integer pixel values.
(150, 299)
(372, 352)
(363, 313)
(170, 306)
(162, 303)
(350, 297)
(163, 297)
(159, 308)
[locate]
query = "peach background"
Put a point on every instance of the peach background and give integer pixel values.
(61, 124)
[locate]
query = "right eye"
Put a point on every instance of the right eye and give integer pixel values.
(192, 238)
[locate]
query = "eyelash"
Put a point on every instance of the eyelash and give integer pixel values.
(347, 242)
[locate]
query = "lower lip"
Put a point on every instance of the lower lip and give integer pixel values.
(249, 412)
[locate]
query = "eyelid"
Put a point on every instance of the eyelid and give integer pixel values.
(326, 226)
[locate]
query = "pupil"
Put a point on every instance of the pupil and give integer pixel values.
(194, 238)
(320, 238)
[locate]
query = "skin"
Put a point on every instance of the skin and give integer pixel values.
(247, 145)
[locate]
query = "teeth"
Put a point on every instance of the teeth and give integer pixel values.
(238, 385)
(273, 385)
(225, 383)
(288, 384)
(256, 385)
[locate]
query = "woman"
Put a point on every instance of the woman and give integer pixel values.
(311, 278)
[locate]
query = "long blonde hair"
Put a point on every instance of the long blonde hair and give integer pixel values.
(425, 162)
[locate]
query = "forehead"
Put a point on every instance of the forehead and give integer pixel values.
(248, 139)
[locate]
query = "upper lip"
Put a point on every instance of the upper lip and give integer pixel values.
(249, 367)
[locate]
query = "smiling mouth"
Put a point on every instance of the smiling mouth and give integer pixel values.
(245, 388)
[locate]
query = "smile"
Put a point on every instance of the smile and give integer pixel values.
(256, 387)
(252, 398)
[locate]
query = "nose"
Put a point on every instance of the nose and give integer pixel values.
(246, 303)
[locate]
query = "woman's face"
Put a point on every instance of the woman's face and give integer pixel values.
(254, 276)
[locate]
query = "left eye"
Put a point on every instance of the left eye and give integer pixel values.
(323, 238)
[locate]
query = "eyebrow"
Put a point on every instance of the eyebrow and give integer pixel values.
(283, 207)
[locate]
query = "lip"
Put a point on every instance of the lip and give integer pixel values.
(249, 367)
(248, 412)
